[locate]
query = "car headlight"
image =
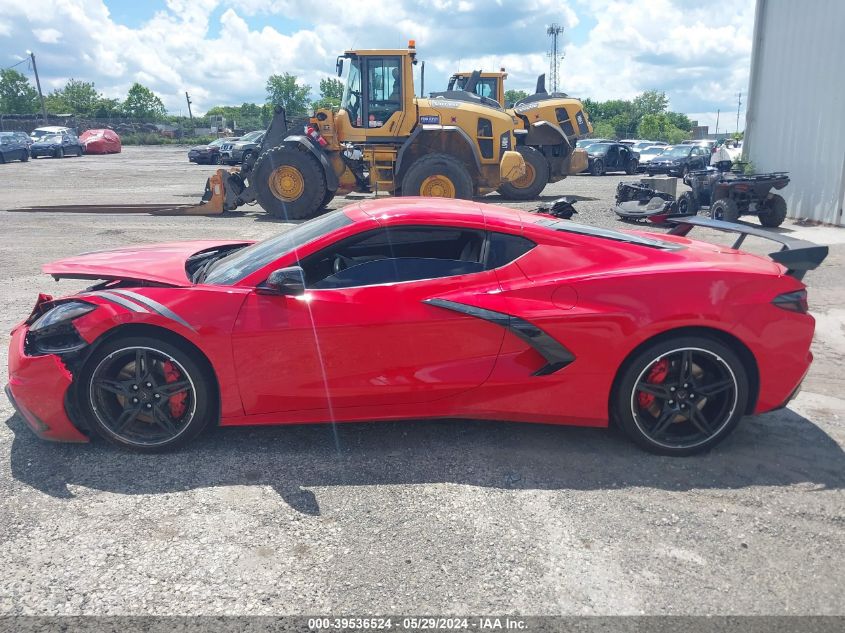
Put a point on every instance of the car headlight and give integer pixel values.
(62, 313)
(53, 332)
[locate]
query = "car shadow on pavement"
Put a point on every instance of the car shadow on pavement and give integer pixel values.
(778, 449)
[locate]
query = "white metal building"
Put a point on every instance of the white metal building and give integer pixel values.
(795, 120)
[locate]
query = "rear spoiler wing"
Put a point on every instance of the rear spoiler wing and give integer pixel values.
(798, 256)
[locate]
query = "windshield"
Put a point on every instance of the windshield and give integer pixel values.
(252, 136)
(651, 151)
(218, 142)
(244, 262)
(600, 148)
(677, 150)
(52, 138)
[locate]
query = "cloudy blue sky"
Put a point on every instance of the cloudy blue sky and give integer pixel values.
(222, 51)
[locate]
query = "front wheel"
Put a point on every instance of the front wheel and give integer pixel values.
(146, 394)
(438, 176)
(60, 153)
(681, 396)
(597, 168)
(724, 209)
(289, 184)
(631, 167)
(215, 159)
(24, 156)
(536, 177)
(687, 203)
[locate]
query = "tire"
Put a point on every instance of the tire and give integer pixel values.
(631, 167)
(246, 156)
(724, 209)
(327, 199)
(597, 168)
(216, 159)
(289, 184)
(651, 404)
(129, 408)
(25, 156)
(688, 203)
(437, 175)
(774, 211)
(533, 182)
(60, 153)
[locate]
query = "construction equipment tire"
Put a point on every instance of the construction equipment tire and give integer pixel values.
(533, 182)
(289, 184)
(439, 176)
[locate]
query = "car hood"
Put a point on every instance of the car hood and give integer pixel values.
(158, 263)
(46, 144)
(200, 148)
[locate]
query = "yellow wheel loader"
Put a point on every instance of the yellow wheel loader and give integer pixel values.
(546, 128)
(382, 139)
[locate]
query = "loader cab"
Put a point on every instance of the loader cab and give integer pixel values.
(490, 85)
(378, 94)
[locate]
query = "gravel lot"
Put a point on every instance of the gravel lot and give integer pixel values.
(413, 517)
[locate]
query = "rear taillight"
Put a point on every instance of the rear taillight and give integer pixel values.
(793, 301)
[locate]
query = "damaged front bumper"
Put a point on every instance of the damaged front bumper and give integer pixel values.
(38, 390)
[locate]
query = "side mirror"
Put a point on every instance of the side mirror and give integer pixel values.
(284, 281)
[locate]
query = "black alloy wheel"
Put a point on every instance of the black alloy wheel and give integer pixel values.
(145, 395)
(682, 397)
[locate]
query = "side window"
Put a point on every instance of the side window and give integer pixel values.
(503, 248)
(487, 88)
(392, 255)
(384, 89)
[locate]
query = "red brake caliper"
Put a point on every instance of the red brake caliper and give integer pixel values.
(178, 400)
(656, 376)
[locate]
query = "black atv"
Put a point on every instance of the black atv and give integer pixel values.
(730, 195)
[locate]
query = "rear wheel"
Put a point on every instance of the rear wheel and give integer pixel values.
(289, 184)
(681, 396)
(597, 168)
(146, 394)
(774, 211)
(535, 179)
(438, 176)
(724, 209)
(687, 203)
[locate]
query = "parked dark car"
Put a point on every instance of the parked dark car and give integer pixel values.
(603, 158)
(238, 151)
(57, 146)
(13, 147)
(679, 160)
(209, 154)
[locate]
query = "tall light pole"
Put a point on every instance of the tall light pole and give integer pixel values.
(38, 84)
(738, 105)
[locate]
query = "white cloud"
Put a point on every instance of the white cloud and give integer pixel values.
(47, 36)
(222, 51)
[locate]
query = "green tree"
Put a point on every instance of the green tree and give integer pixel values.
(680, 121)
(650, 102)
(659, 127)
(77, 97)
(603, 129)
(512, 96)
(105, 108)
(283, 90)
(17, 96)
(142, 104)
(331, 92)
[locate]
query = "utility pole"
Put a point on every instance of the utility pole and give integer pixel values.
(188, 99)
(738, 104)
(554, 55)
(38, 84)
(718, 112)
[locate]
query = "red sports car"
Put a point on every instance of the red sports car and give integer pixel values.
(420, 308)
